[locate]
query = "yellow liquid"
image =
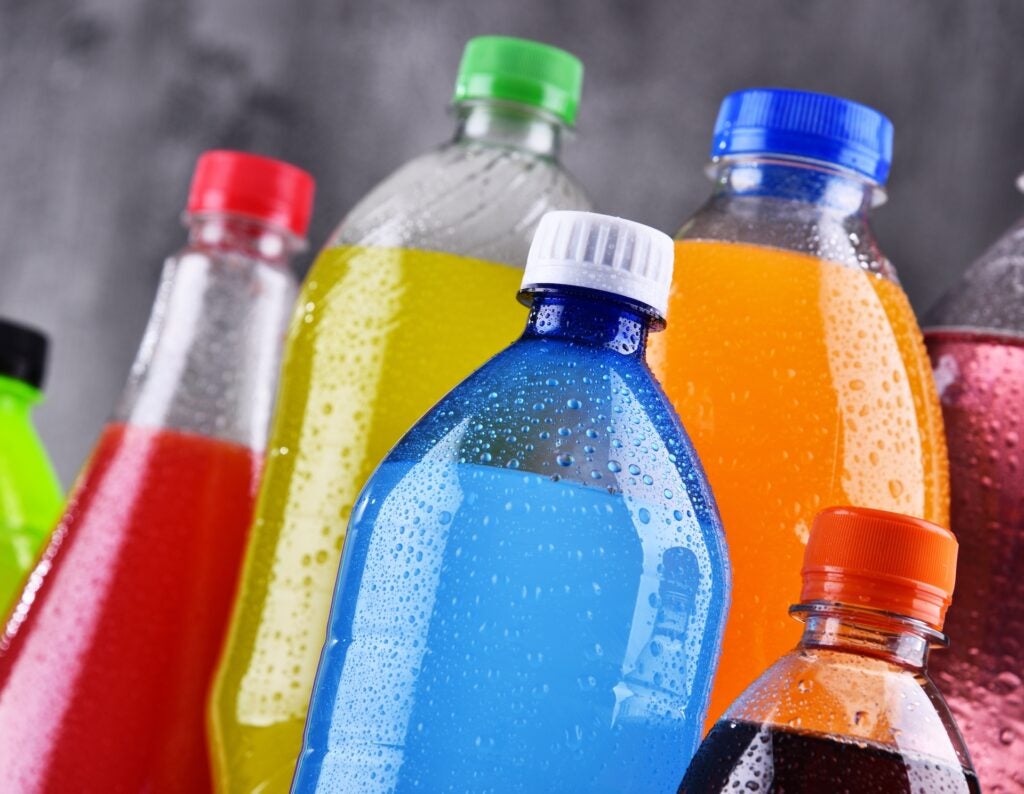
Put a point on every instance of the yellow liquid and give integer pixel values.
(379, 336)
(803, 384)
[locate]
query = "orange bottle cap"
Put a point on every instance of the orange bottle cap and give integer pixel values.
(878, 560)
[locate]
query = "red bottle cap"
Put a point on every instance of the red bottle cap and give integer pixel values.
(879, 560)
(257, 187)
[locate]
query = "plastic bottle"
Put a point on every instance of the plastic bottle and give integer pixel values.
(407, 298)
(975, 336)
(106, 661)
(535, 583)
(30, 495)
(852, 707)
(794, 358)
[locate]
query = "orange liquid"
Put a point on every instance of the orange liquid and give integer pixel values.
(803, 384)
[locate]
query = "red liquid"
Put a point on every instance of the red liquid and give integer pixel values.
(105, 663)
(981, 386)
(744, 757)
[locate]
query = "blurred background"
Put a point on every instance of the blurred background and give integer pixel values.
(105, 105)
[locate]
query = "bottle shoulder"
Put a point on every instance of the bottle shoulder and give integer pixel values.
(800, 227)
(473, 199)
(853, 697)
(29, 489)
(987, 296)
(575, 414)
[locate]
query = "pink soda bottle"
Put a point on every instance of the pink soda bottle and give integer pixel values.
(975, 337)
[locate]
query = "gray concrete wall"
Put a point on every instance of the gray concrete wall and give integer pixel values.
(105, 104)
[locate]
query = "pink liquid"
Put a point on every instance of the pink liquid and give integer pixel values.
(981, 387)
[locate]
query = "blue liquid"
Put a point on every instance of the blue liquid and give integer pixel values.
(490, 644)
(533, 588)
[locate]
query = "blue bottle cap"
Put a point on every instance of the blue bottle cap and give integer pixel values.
(802, 124)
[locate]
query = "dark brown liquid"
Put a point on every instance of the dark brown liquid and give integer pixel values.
(744, 757)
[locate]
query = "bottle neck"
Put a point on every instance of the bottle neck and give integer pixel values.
(894, 638)
(591, 318)
(209, 359)
(510, 125)
(836, 191)
(224, 233)
(16, 397)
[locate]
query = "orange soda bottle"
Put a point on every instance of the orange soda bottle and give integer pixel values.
(793, 356)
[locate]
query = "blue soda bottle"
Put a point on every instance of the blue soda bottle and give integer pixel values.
(535, 582)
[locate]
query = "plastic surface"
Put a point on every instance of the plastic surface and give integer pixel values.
(30, 495)
(976, 342)
(534, 586)
(104, 672)
(254, 187)
(22, 353)
(408, 297)
(520, 71)
(107, 659)
(742, 755)
(583, 249)
(880, 560)
(852, 705)
(808, 126)
(987, 299)
(796, 365)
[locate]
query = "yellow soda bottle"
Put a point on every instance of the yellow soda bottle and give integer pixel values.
(408, 297)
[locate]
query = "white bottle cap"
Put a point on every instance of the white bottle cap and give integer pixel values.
(601, 252)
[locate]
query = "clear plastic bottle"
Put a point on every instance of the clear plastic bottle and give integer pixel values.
(852, 707)
(407, 298)
(106, 661)
(975, 336)
(793, 356)
(534, 588)
(30, 495)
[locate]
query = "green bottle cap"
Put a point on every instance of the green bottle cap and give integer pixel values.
(517, 70)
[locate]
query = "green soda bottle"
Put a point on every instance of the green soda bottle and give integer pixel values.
(30, 495)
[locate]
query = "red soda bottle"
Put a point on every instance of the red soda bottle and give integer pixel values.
(852, 707)
(106, 659)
